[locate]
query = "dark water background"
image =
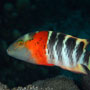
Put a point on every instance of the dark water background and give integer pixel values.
(18, 17)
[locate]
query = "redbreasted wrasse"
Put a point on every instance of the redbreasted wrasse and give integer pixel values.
(52, 48)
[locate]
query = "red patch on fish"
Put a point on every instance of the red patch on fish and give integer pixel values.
(38, 46)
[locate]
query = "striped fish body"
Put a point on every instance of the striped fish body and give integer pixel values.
(52, 48)
(67, 51)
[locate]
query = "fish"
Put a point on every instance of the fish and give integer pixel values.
(50, 48)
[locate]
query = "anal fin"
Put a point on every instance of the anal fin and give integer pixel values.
(78, 69)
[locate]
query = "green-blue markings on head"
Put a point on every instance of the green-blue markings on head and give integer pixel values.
(18, 49)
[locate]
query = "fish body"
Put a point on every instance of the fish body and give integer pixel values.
(52, 48)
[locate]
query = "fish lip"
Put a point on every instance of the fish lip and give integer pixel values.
(8, 51)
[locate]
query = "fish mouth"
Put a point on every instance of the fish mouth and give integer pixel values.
(8, 51)
(21, 54)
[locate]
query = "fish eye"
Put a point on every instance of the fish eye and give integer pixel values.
(20, 42)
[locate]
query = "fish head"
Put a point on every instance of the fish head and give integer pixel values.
(19, 50)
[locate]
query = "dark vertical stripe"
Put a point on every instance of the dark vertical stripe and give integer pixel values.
(51, 44)
(59, 46)
(86, 57)
(80, 50)
(70, 44)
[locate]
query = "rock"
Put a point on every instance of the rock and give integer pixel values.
(57, 83)
(3, 87)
